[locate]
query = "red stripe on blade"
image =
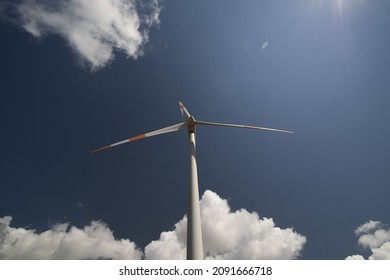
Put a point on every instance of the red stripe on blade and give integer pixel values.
(137, 137)
(100, 149)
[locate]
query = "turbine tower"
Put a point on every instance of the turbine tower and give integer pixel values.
(194, 230)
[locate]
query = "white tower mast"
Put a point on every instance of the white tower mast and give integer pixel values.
(194, 229)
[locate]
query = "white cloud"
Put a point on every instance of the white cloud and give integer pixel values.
(94, 241)
(226, 235)
(381, 253)
(229, 235)
(171, 245)
(374, 236)
(355, 257)
(367, 227)
(375, 239)
(92, 28)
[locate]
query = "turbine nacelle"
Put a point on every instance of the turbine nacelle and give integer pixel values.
(191, 123)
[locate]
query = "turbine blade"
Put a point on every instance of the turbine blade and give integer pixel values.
(241, 126)
(184, 111)
(168, 129)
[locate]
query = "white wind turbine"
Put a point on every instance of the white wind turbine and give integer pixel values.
(194, 231)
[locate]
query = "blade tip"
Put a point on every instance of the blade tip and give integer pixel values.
(100, 149)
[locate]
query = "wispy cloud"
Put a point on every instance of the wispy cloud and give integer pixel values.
(94, 241)
(94, 29)
(227, 235)
(374, 236)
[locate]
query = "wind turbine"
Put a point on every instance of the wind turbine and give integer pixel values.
(194, 231)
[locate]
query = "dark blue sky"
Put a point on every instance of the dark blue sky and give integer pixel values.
(324, 75)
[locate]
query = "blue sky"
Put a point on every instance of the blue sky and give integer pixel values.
(72, 83)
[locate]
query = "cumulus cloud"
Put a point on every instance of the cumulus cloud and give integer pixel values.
(354, 257)
(367, 227)
(374, 236)
(94, 241)
(94, 29)
(229, 235)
